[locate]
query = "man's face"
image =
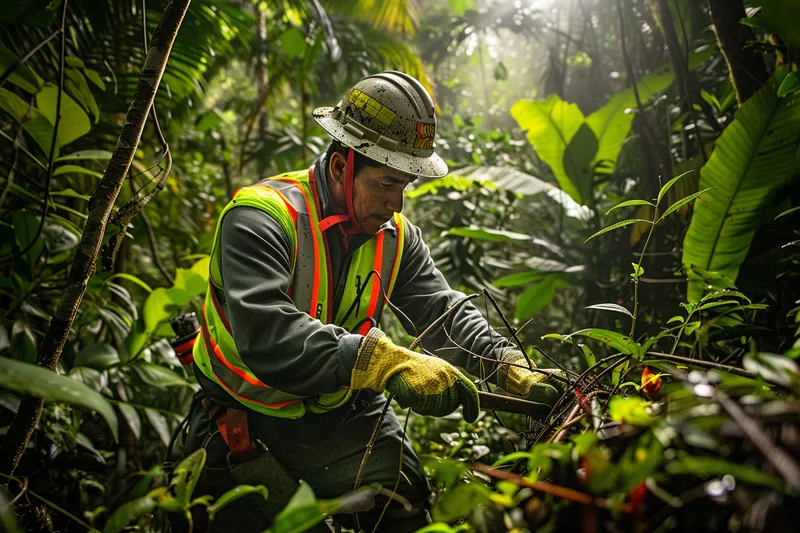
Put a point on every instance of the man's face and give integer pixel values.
(377, 195)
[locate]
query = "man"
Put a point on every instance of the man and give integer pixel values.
(290, 360)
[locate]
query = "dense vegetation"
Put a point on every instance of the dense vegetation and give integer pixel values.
(623, 194)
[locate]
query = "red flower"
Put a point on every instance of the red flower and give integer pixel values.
(651, 383)
(637, 494)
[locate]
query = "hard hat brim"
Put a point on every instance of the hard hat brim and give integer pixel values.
(432, 166)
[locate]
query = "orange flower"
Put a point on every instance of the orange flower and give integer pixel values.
(651, 383)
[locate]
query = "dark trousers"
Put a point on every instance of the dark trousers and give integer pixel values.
(324, 450)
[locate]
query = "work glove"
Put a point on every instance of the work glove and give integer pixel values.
(517, 379)
(426, 384)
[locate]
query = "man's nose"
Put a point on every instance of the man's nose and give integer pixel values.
(395, 202)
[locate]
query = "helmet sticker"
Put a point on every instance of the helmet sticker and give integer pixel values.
(371, 106)
(425, 135)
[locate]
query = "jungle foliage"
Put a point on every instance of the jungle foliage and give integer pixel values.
(623, 192)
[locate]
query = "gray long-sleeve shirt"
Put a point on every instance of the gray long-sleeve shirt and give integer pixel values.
(289, 350)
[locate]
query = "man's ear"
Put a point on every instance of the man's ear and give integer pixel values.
(336, 166)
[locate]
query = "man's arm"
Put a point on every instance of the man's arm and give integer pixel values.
(422, 294)
(283, 346)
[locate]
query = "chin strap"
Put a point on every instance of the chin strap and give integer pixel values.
(354, 227)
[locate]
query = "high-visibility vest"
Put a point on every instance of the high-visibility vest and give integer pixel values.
(291, 199)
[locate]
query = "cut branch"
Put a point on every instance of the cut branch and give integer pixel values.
(100, 208)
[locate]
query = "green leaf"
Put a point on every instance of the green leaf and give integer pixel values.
(630, 203)
(630, 410)
(132, 417)
(23, 77)
(551, 125)
(76, 169)
(186, 476)
(74, 121)
(520, 278)
(668, 185)
(459, 501)
(788, 212)
(503, 177)
(790, 84)
(159, 423)
(620, 224)
(160, 306)
(302, 512)
(94, 77)
(680, 203)
(25, 226)
(536, 297)
(37, 381)
(773, 367)
(611, 307)
(234, 494)
(190, 281)
(293, 43)
(32, 119)
(128, 513)
(752, 160)
(459, 7)
(78, 88)
(578, 159)
(711, 466)
(500, 72)
(778, 16)
(588, 355)
(618, 341)
(97, 356)
(487, 234)
(132, 279)
(157, 375)
(85, 154)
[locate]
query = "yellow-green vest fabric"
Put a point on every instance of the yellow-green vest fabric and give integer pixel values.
(291, 200)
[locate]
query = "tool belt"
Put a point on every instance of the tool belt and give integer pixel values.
(249, 460)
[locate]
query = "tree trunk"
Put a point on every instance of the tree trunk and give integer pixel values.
(100, 207)
(747, 70)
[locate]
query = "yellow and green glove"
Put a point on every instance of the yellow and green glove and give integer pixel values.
(428, 385)
(518, 380)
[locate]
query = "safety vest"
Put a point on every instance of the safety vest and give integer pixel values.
(291, 199)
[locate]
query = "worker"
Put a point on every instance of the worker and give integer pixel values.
(292, 364)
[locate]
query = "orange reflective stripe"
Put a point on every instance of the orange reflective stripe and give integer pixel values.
(377, 282)
(246, 399)
(218, 352)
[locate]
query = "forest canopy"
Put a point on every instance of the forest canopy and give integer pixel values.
(622, 199)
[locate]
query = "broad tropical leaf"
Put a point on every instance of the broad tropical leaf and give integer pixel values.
(35, 380)
(552, 125)
(753, 159)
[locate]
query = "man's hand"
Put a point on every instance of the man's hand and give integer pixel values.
(428, 385)
(514, 377)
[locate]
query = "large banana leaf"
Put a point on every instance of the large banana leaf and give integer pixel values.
(753, 158)
(558, 131)
(572, 145)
